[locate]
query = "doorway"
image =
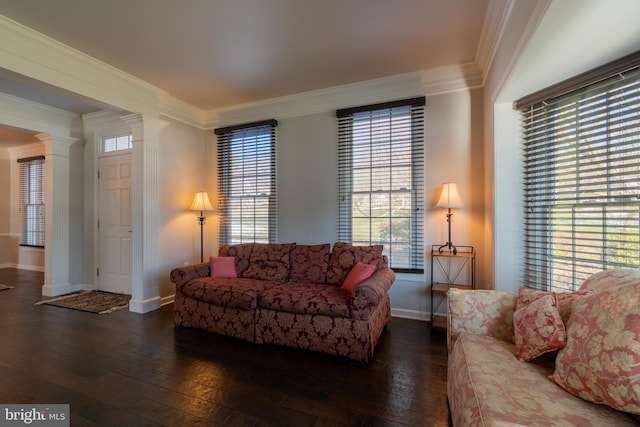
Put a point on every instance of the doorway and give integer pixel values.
(115, 228)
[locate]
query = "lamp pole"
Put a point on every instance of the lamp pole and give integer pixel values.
(201, 220)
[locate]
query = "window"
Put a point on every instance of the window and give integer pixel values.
(582, 176)
(381, 179)
(247, 180)
(117, 143)
(32, 201)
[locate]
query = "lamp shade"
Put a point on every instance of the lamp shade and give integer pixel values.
(201, 202)
(449, 197)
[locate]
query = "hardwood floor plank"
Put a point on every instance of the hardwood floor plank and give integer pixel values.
(128, 369)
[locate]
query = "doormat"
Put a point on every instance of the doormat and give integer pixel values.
(5, 287)
(92, 301)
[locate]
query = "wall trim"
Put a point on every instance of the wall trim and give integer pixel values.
(402, 313)
(144, 306)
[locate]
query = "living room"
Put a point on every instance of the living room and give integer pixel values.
(472, 136)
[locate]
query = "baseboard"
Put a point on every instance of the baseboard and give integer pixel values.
(144, 306)
(410, 314)
(167, 300)
(29, 267)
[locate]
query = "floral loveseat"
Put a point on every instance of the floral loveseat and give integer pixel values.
(298, 296)
(545, 359)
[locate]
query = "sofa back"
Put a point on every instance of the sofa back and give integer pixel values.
(610, 279)
(301, 263)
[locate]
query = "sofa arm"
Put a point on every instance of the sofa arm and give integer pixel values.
(370, 293)
(480, 312)
(182, 275)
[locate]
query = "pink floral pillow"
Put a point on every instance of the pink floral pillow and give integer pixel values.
(358, 274)
(344, 256)
(565, 299)
(223, 266)
(538, 328)
(601, 362)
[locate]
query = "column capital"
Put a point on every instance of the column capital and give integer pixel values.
(56, 145)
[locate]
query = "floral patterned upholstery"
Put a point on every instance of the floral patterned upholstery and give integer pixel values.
(297, 308)
(601, 362)
(234, 322)
(565, 299)
(487, 386)
(269, 262)
(538, 328)
(480, 312)
(345, 256)
(306, 298)
(239, 293)
(309, 264)
(242, 254)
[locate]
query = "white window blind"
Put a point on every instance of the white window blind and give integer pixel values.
(381, 179)
(247, 182)
(582, 177)
(32, 201)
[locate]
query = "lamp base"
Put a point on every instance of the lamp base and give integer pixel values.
(450, 247)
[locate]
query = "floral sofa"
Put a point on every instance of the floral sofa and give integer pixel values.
(301, 296)
(544, 359)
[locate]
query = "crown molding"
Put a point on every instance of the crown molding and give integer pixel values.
(426, 82)
(495, 22)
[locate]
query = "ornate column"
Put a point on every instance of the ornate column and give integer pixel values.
(145, 289)
(56, 215)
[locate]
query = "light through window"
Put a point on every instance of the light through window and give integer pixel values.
(582, 181)
(117, 143)
(381, 179)
(32, 201)
(247, 180)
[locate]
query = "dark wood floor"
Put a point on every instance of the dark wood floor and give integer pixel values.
(127, 369)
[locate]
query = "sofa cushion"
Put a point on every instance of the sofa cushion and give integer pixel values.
(538, 328)
(344, 256)
(241, 252)
(601, 361)
(269, 261)
(306, 298)
(227, 292)
(488, 386)
(309, 264)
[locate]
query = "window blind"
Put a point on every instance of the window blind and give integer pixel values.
(381, 179)
(582, 178)
(247, 182)
(32, 201)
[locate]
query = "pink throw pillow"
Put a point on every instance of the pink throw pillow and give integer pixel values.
(538, 328)
(565, 299)
(601, 361)
(358, 274)
(223, 266)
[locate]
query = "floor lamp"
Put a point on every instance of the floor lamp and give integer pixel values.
(449, 199)
(201, 203)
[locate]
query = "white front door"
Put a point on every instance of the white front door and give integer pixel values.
(115, 231)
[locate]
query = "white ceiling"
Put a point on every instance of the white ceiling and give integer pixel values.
(217, 53)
